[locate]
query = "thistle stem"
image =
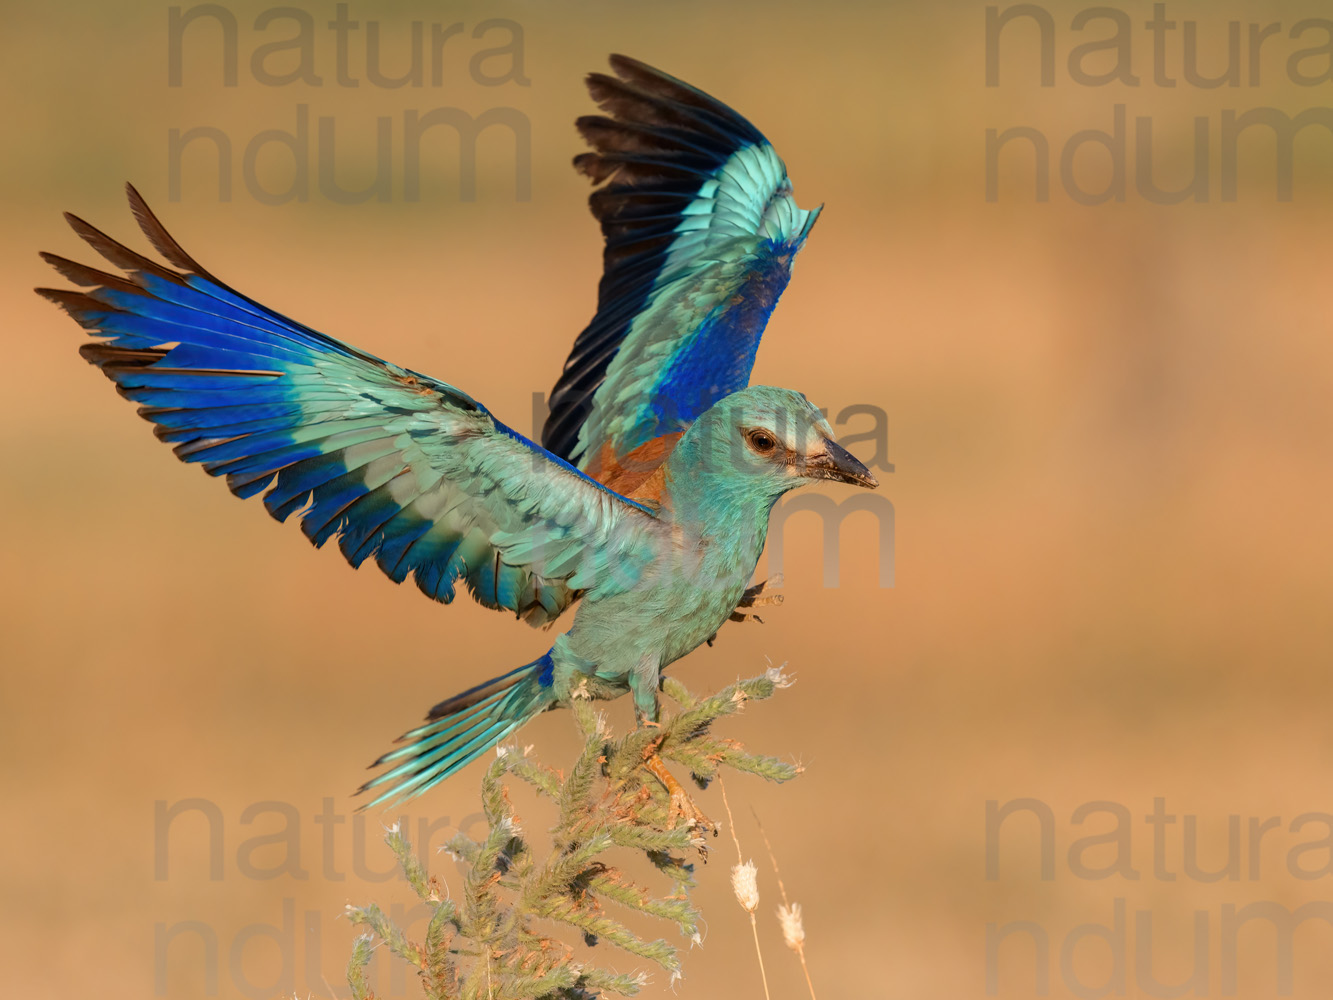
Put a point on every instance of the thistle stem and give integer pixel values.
(763, 976)
(740, 860)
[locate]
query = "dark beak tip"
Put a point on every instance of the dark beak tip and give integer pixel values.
(846, 467)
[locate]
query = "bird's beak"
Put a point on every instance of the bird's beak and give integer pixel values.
(837, 463)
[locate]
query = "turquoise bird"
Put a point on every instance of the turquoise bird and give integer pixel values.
(649, 502)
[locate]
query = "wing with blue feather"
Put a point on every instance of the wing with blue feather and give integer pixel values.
(701, 229)
(394, 464)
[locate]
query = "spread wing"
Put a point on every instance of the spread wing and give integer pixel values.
(394, 464)
(701, 229)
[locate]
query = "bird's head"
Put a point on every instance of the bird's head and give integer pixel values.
(768, 440)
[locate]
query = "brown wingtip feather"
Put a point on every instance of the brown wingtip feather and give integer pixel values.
(110, 356)
(610, 136)
(652, 79)
(157, 233)
(619, 61)
(659, 84)
(117, 253)
(87, 277)
(639, 72)
(595, 166)
(74, 303)
(639, 104)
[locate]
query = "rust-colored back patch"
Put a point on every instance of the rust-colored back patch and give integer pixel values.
(637, 475)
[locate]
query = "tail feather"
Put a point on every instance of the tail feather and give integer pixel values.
(459, 730)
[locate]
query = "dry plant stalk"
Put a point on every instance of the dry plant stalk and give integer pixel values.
(745, 886)
(486, 943)
(789, 913)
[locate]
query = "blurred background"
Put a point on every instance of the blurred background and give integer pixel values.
(1109, 424)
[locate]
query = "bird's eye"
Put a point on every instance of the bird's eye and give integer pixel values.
(762, 441)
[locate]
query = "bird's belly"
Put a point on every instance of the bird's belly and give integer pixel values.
(615, 632)
(698, 624)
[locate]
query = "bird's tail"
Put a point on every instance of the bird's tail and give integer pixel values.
(459, 730)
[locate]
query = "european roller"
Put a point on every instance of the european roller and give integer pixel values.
(645, 506)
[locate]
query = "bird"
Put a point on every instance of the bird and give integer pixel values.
(644, 507)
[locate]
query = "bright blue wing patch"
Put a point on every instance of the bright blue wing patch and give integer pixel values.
(396, 465)
(701, 229)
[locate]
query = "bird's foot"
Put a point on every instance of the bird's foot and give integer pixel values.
(757, 596)
(682, 806)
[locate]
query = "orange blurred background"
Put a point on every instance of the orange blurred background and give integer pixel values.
(1110, 428)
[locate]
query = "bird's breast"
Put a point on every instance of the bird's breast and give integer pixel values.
(683, 598)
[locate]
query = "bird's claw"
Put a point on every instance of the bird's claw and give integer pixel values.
(754, 596)
(757, 597)
(681, 806)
